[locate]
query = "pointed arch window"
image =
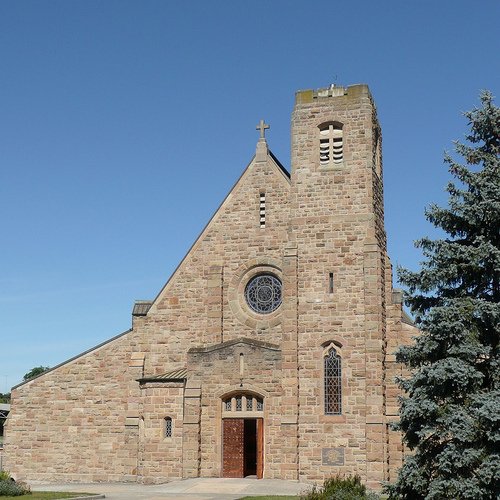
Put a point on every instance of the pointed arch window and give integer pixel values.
(331, 144)
(332, 363)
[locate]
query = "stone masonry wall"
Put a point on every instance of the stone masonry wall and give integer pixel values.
(91, 420)
(196, 307)
(334, 224)
(87, 419)
(218, 370)
(160, 456)
(69, 423)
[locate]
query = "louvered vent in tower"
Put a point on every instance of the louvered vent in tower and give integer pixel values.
(324, 147)
(337, 146)
(331, 144)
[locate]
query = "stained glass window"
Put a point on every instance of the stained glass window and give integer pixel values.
(333, 383)
(263, 293)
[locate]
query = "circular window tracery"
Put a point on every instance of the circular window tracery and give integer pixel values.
(263, 293)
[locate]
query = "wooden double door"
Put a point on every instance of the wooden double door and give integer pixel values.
(242, 447)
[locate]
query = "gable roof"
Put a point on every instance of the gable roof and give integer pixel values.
(280, 170)
(88, 351)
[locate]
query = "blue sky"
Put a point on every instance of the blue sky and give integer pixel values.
(123, 124)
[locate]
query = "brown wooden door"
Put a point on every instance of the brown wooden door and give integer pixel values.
(232, 447)
(260, 448)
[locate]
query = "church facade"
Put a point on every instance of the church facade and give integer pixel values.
(268, 353)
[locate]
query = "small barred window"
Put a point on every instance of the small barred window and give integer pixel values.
(333, 382)
(242, 402)
(168, 427)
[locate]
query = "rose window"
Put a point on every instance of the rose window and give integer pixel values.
(263, 293)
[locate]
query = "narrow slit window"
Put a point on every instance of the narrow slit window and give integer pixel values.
(330, 283)
(262, 210)
(168, 427)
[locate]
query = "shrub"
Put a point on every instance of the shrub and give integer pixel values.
(341, 488)
(10, 488)
(4, 475)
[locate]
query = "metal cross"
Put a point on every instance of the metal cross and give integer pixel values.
(262, 127)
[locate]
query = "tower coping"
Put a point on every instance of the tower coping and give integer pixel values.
(309, 95)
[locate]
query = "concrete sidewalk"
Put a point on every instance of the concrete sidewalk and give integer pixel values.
(185, 489)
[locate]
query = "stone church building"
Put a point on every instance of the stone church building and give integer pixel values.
(269, 351)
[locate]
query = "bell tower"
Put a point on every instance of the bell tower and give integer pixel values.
(339, 245)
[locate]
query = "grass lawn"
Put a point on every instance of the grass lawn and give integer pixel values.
(271, 497)
(47, 495)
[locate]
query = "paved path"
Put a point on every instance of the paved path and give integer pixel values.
(186, 489)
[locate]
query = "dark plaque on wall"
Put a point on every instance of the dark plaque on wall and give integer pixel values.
(333, 456)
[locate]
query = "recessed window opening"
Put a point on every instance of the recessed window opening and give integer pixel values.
(331, 144)
(330, 283)
(262, 210)
(168, 427)
(242, 363)
(242, 402)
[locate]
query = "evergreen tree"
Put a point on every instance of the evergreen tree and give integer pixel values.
(34, 372)
(450, 414)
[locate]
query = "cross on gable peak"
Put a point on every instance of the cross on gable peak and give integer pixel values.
(262, 126)
(261, 151)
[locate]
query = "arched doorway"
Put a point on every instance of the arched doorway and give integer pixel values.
(242, 436)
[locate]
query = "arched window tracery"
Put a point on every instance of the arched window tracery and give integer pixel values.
(332, 376)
